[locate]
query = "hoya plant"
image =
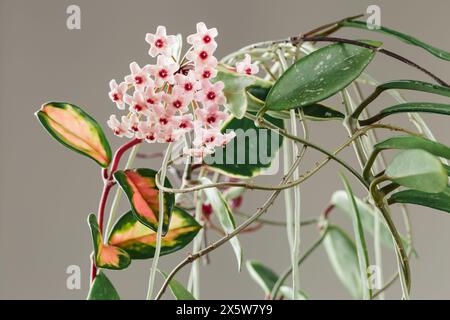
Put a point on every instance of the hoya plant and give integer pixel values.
(224, 122)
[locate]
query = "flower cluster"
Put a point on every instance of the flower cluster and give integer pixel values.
(175, 96)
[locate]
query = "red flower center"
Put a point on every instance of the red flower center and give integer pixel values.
(138, 79)
(177, 104)
(135, 128)
(203, 55)
(207, 209)
(138, 107)
(116, 96)
(248, 71)
(188, 86)
(150, 101)
(183, 125)
(206, 74)
(163, 121)
(150, 137)
(211, 95)
(117, 131)
(206, 39)
(163, 73)
(211, 119)
(159, 43)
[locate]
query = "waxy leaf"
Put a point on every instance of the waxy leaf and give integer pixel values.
(251, 152)
(401, 36)
(106, 256)
(418, 170)
(341, 201)
(438, 201)
(76, 130)
(178, 290)
(236, 85)
(428, 107)
(288, 293)
(318, 76)
(224, 215)
(341, 251)
(415, 85)
(263, 276)
(102, 289)
(140, 187)
(139, 241)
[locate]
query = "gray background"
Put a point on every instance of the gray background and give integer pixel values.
(47, 191)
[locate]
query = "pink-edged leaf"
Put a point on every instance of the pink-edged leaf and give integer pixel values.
(76, 130)
(140, 187)
(106, 256)
(139, 241)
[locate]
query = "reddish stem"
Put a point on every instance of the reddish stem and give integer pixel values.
(108, 183)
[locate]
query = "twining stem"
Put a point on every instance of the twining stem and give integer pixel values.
(108, 183)
(160, 223)
(286, 273)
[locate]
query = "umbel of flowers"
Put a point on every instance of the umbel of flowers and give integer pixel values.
(168, 99)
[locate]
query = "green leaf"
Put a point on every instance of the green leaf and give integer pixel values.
(341, 201)
(250, 153)
(428, 107)
(106, 256)
(418, 170)
(139, 241)
(223, 213)
(341, 251)
(414, 85)
(263, 276)
(76, 130)
(177, 289)
(401, 36)
(361, 247)
(288, 293)
(102, 289)
(236, 85)
(438, 201)
(318, 76)
(140, 187)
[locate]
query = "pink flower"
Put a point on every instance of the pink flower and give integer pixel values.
(203, 55)
(137, 103)
(185, 122)
(163, 70)
(211, 116)
(153, 98)
(187, 83)
(120, 129)
(162, 117)
(246, 66)
(147, 131)
(178, 100)
(204, 36)
(211, 93)
(205, 72)
(198, 153)
(132, 123)
(139, 77)
(159, 42)
(117, 93)
(170, 135)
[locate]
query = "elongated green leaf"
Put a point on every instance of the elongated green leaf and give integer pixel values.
(263, 275)
(106, 256)
(76, 130)
(235, 89)
(438, 201)
(140, 187)
(415, 85)
(418, 170)
(318, 76)
(288, 293)
(414, 142)
(341, 201)
(178, 290)
(250, 153)
(139, 241)
(224, 215)
(102, 289)
(428, 107)
(361, 247)
(341, 251)
(401, 36)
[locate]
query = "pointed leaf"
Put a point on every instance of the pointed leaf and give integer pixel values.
(288, 293)
(318, 76)
(401, 36)
(235, 89)
(106, 256)
(263, 276)
(76, 130)
(140, 187)
(414, 142)
(438, 201)
(224, 215)
(418, 170)
(139, 241)
(414, 85)
(341, 251)
(428, 107)
(102, 289)
(250, 153)
(178, 290)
